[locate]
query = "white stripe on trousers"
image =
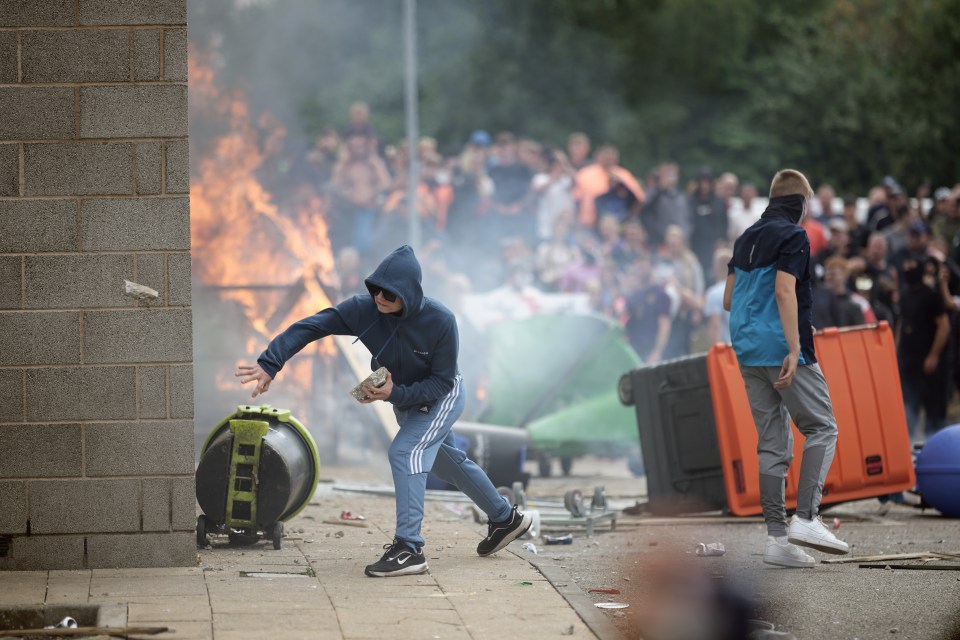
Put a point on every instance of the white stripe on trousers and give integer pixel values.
(416, 454)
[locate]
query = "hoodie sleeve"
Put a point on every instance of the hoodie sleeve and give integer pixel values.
(443, 370)
(328, 322)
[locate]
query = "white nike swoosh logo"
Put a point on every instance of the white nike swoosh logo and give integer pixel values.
(404, 559)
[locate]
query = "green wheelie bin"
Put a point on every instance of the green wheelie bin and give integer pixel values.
(258, 468)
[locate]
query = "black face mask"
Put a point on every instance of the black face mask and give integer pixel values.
(913, 276)
(792, 206)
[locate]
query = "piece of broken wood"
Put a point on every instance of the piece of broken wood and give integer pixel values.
(113, 632)
(926, 556)
(881, 557)
(347, 523)
(926, 567)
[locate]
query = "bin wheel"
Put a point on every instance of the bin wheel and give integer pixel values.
(573, 501)
(278, 535)
(202, 540)
(566, 465)
(625, 389)
(544, 462)
(508, 493)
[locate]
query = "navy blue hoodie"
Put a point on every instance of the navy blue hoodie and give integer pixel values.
(418, 345)
(776, 242)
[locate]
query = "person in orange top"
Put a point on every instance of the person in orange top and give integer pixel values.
(817, 235)
(593, 181)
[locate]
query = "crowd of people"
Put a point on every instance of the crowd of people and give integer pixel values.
(649, 251)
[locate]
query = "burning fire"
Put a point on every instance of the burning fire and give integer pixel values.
(271, 261)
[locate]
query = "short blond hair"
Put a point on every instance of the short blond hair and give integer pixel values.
(789, 182)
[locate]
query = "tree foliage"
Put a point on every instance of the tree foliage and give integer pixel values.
(847, 90)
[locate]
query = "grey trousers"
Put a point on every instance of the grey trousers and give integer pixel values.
(807, 401)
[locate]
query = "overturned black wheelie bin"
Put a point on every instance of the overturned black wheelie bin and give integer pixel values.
(258, 468)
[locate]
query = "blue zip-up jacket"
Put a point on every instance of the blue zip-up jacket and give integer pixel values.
(418, 345)
(776, 242)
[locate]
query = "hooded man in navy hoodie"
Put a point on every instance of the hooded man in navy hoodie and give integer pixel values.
(415, 338)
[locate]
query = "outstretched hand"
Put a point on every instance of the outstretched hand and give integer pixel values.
(253, 373)
(378, 393)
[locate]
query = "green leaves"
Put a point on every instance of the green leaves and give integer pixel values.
(848, 90)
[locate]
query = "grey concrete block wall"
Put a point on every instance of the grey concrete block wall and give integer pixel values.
(8, 57)
(96, 397)
(11, 282)
(11, 397)
(77, 281)
(76, 56)
(13, 506)
(37, 113)
(48, 337)
(41, 450)
(37, 226)
(9, 169)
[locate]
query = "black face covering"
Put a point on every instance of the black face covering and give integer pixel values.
(790, 206)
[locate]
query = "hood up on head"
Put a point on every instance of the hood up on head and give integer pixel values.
(400, 273)
(790, 207)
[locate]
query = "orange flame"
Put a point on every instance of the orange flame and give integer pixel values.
(270, 261)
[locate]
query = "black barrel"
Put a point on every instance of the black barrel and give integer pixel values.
(283, 482)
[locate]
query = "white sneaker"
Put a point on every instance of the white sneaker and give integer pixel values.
(812, 533)
(784, 554)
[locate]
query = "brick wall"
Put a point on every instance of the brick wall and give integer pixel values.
(96, 388)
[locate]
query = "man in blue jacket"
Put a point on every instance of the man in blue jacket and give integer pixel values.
(769, 295)
(415, 338)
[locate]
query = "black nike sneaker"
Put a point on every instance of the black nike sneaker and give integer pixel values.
(500, 534)
(399, 560)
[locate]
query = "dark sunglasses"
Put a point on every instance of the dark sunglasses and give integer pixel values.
(387, 295)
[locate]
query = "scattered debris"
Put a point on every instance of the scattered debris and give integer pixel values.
(338, 534)
(349, 523)
(529, 546)
(346, 515)
(524, 583)
(568, 631)
(836, 523)
(611, 605)
(893, 556)
(613, 592)
(710, 549)
(66, 623)
(567, 539)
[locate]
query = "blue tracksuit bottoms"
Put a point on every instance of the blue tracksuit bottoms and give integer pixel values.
(425, 443)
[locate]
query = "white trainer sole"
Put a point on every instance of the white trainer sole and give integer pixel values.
(818, 544)
(413, 569)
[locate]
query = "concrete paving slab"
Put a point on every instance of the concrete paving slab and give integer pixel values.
(407, 630)
(68, 586)
(182, 630)
(435, 601)
(196, 610)
(146, 572)
(23, 587)
(176, 585)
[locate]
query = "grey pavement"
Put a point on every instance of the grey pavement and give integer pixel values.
(314, 587)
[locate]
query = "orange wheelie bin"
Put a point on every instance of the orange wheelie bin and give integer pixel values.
(873, 456)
